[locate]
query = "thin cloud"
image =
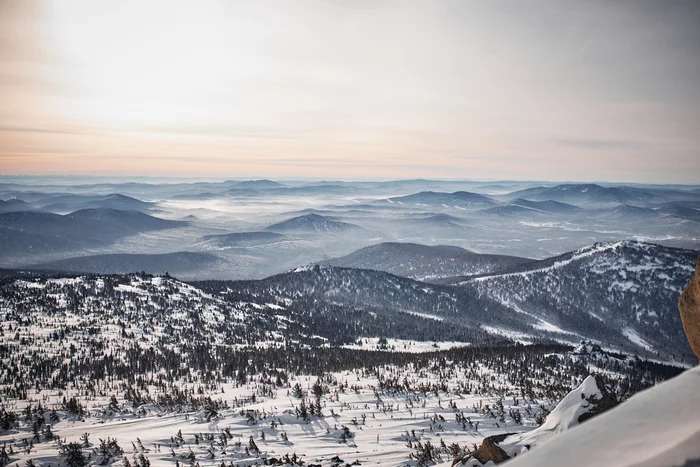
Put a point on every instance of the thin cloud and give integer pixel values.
(601, 143)
(486, 89)
(39, 130)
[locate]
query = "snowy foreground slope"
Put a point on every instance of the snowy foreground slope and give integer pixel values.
(659, 427)
(581, 404)
(248, 374)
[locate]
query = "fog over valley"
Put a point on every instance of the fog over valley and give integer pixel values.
(252, 229)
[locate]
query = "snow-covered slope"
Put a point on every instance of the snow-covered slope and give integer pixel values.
(344, 304)
(621, 296)
(164, 364)
(582, 403)
(659, 427)
(626, 291)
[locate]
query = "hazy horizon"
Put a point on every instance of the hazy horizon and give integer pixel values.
(558, 91)
(155, 179)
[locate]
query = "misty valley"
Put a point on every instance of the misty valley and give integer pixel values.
(261, 322)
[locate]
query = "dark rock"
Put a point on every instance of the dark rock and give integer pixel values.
(489, 450)
(689, 306)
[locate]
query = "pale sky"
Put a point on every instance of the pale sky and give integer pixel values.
(546, 90)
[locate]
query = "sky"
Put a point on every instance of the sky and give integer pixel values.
(352, 89)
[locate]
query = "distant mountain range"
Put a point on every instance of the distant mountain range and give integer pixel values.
(630, 213)
(424, 262)
(15, 205)
(626, 212)
(522, 207)
(182, 262)
(310, 223)
(458, 199)
(237, 240)
(576, 194)
(68, 202)
(71, 203)
(592, 193)
(31, 233)
(680, 211)
(263, 227)
(620, 295)
(258, 184)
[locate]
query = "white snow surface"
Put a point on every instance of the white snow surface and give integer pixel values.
(578, 255)
(404, 345)
(659, 427)
(564, 416)
(634, 337)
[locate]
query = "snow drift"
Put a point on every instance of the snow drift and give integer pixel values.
(659, 427)
(584, 402)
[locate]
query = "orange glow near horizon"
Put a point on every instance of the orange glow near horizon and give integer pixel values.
(345, 90)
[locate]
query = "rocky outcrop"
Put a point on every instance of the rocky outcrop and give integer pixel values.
(599, 403)
(689, 306)
(591, 398)
(490, 451)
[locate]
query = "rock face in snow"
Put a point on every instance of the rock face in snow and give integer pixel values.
(591, 398)
(489, 451)
(659, 427)
(689, 306)
(599, 403)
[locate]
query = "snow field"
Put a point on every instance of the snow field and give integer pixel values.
(382, 421)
